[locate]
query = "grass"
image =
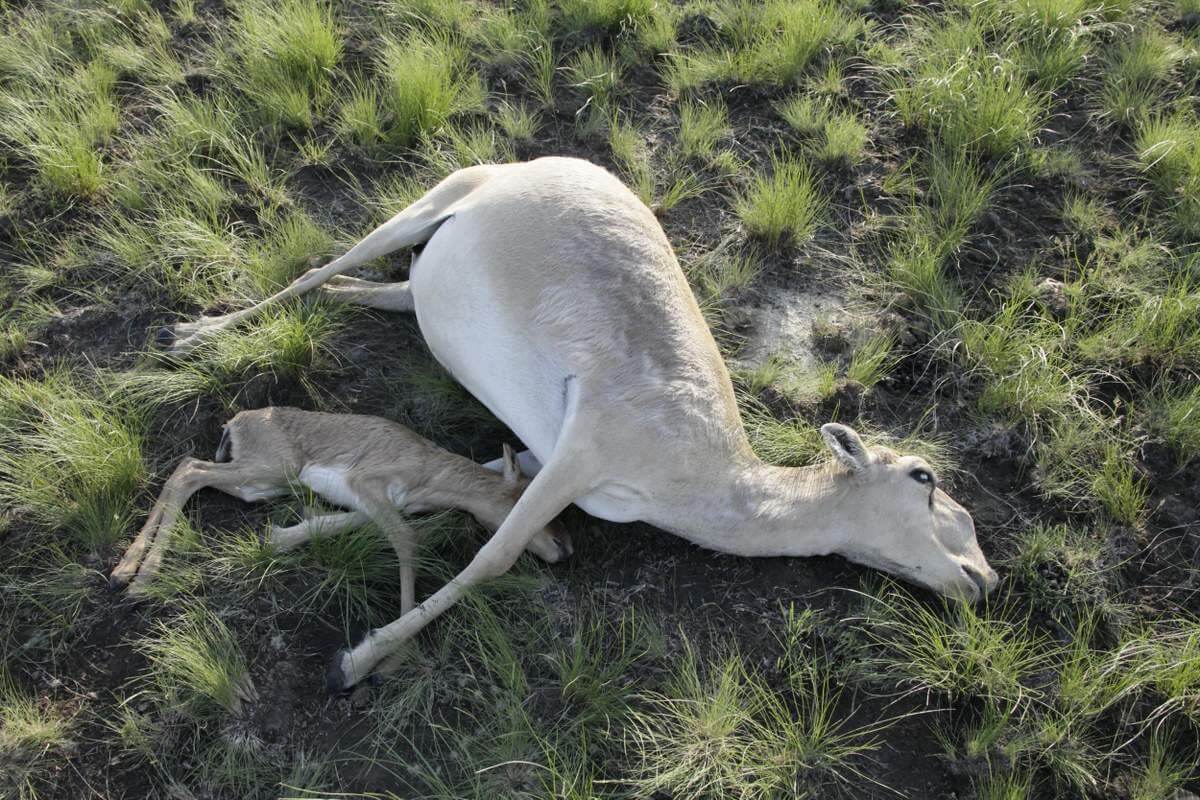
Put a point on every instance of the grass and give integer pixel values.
(1174, 415)
(837, 139)
(31, 733)
(609, 16)
(721, 732)
(963, 97)
(773, 43)
(914, 266)
(287, 50)
(426, 80)
(72, 457)
(597, 75)
(198, 664)
(1063, 569)
(1167, 149)
(965, 653)
(701, 128)
(1134, 75)
(62, 133)
(786, 204)
(872, 361)
(1020, 361)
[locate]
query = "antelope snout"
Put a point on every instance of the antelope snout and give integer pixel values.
(551, 545)
(985, 580)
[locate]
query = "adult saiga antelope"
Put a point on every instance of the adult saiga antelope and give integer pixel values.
(376, 467)
(552, 294)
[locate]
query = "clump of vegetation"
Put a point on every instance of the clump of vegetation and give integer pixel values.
(701, 127)
(31, 734)
(1175, 414)
(770, 43)
(966, 652)
(722, 731)
(60, 121)
(609, 16)
(426, 79)
(1064, 569)
(966, 98)
(286, 53)
(1168, 151)
(785, 203)
(1134, 75)
(72, 457)
(197, 662)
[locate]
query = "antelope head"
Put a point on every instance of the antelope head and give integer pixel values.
(903, 523)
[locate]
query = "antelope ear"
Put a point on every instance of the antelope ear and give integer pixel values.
(512, 470)
(846, 445)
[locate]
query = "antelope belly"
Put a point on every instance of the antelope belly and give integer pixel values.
(330, 483)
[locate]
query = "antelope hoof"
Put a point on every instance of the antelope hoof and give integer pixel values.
(165, 337)
(337, 680)
(117, 582)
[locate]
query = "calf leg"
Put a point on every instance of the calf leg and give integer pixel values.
(316, 526)
(373, 495)
(245, 481)
(526, 460)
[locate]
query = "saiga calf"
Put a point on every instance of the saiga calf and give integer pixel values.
(375, 467)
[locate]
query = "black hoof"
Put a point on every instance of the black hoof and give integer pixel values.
(165, 336)
(337, 681)
(116, 584)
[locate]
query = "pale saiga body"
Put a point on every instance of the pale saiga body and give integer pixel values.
(376, 467)
(552, 294)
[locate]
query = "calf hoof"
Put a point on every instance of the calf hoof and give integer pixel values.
(336, 679)
(165, 337)
(117, 582)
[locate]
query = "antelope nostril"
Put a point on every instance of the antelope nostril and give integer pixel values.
(978, 579)
(563, 543)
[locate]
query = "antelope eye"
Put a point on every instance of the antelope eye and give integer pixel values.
(921, 476)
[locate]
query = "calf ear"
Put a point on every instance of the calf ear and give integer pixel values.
(847, 446)
(512, 469)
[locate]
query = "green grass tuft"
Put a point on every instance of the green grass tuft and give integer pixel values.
(718, 730)
(966, 98)
(72, 457)
(701, 127)
(60, 126)
(197, 663)
(610, 16)
(772, 43)
(962, 652)
(1134, 74)
(1175, 415)
(287, 50)
(785, 204)
(426, 80)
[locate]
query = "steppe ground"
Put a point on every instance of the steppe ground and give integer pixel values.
(997, 204)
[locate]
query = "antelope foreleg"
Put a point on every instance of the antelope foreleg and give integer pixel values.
(552, 491)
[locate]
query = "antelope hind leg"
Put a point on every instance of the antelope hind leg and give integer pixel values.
(384, 296)
(414, 225)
